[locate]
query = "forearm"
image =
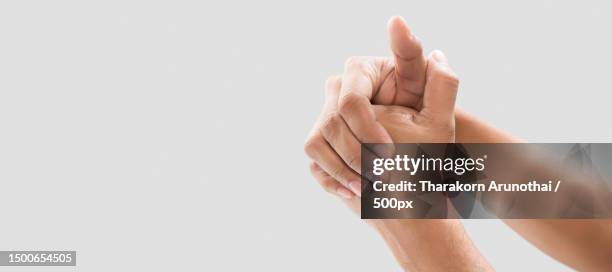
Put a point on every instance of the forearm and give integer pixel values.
(582, 244)
(431, 245)
(469, 129)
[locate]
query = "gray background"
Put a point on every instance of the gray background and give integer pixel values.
(168, 135)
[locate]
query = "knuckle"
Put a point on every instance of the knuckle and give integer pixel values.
(312, 145)
(314, 167)
(339, 173)
(447, 77)
(354, 62)
(330, 126)
(353, 160)
(332, 81)
(350, 102)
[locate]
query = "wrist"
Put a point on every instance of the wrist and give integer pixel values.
(470, 129)
(418, 245)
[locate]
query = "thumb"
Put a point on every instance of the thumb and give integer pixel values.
(440, 88)
(410, 64)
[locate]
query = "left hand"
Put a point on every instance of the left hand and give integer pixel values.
(435, 122)
(367, 80)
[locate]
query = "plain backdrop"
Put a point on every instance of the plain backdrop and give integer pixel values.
(168, 135)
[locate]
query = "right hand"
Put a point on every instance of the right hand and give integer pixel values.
(435, 122)
(348, 118)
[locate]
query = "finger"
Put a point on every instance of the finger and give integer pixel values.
(321, 152)
(339, 136)
(410, 63)
(318, 149)
(354, 102)
(332, 186)
(440, 89)
(328, 183)
(332, 84)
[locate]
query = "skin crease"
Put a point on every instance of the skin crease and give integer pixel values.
(413, 249)
(581, 244)
(350, 119)
(584, 244)
(384, 81)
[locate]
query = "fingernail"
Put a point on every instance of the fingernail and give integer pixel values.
(355, 187)
(344, 193)
(397, 18)
(438, 56)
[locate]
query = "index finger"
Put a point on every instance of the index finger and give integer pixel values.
(354, 103)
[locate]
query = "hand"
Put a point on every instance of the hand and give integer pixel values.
(413, 249)
(435, 122)
(334, 143)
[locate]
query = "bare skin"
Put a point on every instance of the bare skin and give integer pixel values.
(351, 120)
(585, 245)
(399, 80)
(414, 243)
